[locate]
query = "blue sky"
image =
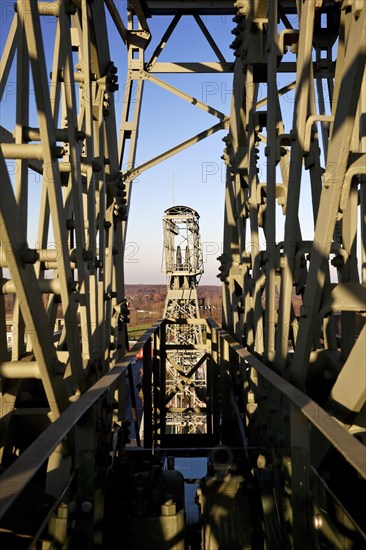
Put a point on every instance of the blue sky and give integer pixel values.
(166, 120)
(199, 172)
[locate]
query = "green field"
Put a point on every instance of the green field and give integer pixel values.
(134, 333)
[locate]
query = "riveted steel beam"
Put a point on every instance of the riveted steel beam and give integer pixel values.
(297, 303)
(293, 262)
(30, 300)
(77, 216)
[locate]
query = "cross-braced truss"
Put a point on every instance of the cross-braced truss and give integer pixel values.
(186, 377)
(293, 266)
(61, 271)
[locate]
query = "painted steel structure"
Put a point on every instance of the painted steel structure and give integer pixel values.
(186, 377)
(288, 367)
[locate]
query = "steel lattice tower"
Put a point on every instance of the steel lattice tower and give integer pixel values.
(286, 371)
(185, 374)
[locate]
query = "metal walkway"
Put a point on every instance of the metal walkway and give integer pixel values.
(285, 406)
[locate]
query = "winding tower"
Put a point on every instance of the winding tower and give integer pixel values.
(284, 444)
(186, 368)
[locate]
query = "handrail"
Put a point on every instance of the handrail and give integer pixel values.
(14, 480)
(348, 446)
(21, 472)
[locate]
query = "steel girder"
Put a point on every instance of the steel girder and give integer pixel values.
(294, 238)
(68, 323)
(294, 286)
(307, 134)
(64, 270)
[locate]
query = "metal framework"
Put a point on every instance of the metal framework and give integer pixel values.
(286, 376)
(62, 141)
(186, 377)
(299, 300)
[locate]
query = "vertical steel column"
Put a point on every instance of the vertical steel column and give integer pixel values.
(292, 228)
(148, 361)
(270, 220)
(344, 109)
